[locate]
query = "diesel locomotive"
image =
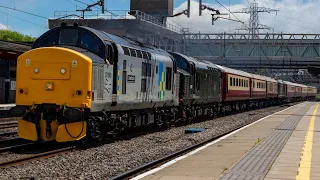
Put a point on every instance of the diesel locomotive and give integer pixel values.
(78, 82)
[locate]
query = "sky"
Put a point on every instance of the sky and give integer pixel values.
(294, 16)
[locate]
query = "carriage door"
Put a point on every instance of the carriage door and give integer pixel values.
(251, 86)
(192, 79)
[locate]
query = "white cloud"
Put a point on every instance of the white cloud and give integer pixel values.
(2, 26)
(295, 16)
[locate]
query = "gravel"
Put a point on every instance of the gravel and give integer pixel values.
(9, 119)
(115, 158)
(8, 129)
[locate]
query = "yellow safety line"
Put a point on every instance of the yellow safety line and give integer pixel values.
(306, 156)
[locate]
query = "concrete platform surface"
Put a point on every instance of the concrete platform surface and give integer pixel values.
(251, 152)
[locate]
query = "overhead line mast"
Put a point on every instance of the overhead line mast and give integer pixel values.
(99, 3)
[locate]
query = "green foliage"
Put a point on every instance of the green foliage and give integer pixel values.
(259, 140)
(8, 35)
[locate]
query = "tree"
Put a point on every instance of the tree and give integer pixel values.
(8, 35)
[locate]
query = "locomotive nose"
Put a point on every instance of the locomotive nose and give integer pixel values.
(54, 76)
(50, 79)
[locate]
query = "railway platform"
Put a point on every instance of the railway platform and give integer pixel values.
(284, 145)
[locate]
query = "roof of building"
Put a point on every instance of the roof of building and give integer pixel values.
(14, 46)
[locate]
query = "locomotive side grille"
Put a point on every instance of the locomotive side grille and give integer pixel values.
(94, 77)
(98, 80)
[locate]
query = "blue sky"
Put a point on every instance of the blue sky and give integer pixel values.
(46, 8)
(295, 16)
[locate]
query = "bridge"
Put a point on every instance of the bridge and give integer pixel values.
(277, 51)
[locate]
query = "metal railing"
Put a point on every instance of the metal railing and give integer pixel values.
(119, 14)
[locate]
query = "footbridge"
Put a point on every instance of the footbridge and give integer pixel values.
(276, 51)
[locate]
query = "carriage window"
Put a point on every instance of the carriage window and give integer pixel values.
(234, 81)
(241, 82)
(126, 51)
(133, 52)
(139, 55)
(68, 36)
(168, 78)
(230, 81)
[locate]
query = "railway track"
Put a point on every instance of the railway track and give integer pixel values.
(8, 133)
(39, 156)
(8, 125)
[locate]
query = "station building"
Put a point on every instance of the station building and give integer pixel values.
(9, 53)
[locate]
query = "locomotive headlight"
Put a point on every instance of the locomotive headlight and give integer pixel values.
(63, 71)
(49, 86)
(36, 70)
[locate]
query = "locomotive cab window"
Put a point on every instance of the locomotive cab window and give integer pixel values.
(110, 54)
(47, 40)
(68, 37)
(92, 44)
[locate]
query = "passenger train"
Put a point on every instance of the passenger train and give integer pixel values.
(77, 83)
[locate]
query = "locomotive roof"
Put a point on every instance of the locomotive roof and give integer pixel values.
(289, 83)
(198, 63)
(125, 41)
(233, 71)
(269, 79)
(299, 85)
(101, 36)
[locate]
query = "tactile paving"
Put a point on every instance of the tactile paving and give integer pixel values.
(256, 163)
